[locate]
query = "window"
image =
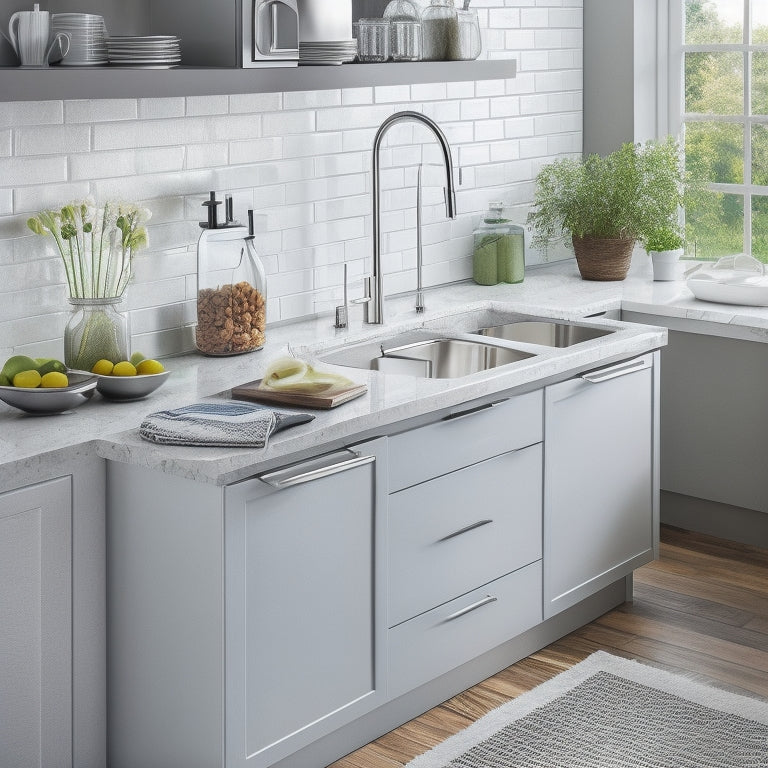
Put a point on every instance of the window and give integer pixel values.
(719, 104)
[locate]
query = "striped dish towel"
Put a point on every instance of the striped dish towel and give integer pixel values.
(219, 424)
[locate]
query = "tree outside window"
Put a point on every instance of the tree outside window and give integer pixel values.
(725, 122)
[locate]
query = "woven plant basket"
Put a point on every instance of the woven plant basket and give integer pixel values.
(603, 258)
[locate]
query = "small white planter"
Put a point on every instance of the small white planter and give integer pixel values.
(665, 264)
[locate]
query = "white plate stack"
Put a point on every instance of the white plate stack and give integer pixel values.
(325, 32)
(144, 52)
(87, 35)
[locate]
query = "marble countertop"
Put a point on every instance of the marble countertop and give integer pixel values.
(29, 443)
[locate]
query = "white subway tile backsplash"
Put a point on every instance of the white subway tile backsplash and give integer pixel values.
(303, 159)
(99, 110)
(16, 113)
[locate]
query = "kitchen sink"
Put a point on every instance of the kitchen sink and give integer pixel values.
(435, 358)
(448, 358)
(545, 333)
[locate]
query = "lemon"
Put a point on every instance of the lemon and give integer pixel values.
(54, 379)
(123, 368)
(103, 367)
(148, 367)
(27, 379)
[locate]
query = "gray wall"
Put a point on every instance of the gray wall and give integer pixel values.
(620, 70)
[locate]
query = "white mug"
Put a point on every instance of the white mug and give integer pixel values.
(29, 33)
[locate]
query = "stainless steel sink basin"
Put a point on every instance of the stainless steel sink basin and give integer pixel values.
(448, 358)
(546, 333)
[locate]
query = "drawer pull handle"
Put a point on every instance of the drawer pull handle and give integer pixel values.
(471, 411)
(467, 529)
(615, 371)
(305, 473)
(470, 608)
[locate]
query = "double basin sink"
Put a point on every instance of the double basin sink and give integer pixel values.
(439, 357)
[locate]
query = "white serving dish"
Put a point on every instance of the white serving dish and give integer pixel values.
(128, 388)
(49, 400)
(737, 279)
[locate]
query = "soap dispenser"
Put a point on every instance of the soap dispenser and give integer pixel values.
(231, 285)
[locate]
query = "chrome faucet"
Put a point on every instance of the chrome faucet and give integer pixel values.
(374, 286)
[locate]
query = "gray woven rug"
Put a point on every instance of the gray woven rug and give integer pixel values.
(608, 712)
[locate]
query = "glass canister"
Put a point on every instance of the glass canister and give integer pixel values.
(231, 292)
(499, 249)
(96, 330)
(405, 28)
(470, 42)
(373, 38)
(440, 32)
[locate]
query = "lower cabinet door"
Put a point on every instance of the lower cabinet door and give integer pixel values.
(601, 488)
(304, 636)
(36, 625)
(450, 635)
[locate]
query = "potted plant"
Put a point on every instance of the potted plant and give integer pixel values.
(665, 247)
(605, 204)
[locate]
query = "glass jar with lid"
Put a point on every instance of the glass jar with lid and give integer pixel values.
(440, 32)
(405, 30)
(231, 289)
(499, 249)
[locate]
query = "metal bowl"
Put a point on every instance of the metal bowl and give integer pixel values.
(50, 400)
(127, 388)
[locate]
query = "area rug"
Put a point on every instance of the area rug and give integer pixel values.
(609, 712)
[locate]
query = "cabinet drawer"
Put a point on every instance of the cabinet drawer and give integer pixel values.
(456, 532)
(464, 438)
(442, 639)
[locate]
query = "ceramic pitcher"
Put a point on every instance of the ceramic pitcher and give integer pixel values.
(29, 33)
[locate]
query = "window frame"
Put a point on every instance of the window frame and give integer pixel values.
(671, 95)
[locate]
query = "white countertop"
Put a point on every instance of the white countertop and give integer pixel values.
(28, 444)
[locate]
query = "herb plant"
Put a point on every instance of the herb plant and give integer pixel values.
(630, 193)
(664, 239)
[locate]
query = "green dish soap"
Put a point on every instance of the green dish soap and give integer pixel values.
(499, 249)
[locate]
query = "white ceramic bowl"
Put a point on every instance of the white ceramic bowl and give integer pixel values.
(128, 388)
(50, 400)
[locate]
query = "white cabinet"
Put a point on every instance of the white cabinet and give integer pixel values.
(601, 485)
(243, 621)
(36, 626)
(304, 633)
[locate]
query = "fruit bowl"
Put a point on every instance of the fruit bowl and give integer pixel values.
(127, 388)
(47, 401)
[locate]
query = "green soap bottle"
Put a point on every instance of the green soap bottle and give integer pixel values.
(499, 249)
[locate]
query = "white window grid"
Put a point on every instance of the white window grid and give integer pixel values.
(674, 91)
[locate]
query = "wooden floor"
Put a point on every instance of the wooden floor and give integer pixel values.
(701, 609)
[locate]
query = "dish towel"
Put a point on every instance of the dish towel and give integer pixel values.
(218, 424)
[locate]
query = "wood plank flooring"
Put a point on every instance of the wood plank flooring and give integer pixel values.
(701, 610)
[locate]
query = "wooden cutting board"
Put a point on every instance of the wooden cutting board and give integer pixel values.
(251, 391)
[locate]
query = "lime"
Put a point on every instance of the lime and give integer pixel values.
(27, 379)
(4, 380)
(51, 365)
(17, 364)
(123, 368)
(137, 357)
(103, 367)
(54, 379)
(148, 367)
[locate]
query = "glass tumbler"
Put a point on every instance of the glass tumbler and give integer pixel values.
(470, 43)
(406, 40)
(373, 40)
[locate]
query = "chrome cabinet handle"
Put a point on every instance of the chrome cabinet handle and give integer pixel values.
(464, 611)
(623, 369)
(471, 411)
(284, 478)
(467, 529)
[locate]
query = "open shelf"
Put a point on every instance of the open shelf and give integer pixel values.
(18, 84)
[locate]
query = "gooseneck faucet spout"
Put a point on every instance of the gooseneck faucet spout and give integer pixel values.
(374, 308)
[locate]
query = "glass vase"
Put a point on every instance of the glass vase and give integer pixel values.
(96, 330)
